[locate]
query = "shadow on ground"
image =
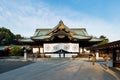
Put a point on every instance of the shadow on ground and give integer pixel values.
(10, 65)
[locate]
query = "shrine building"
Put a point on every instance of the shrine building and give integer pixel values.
(60, 40)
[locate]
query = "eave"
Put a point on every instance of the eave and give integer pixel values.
(27, 40)
(96, 40)
(79, 37)
(40, 37)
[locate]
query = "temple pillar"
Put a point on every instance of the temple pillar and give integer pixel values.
(42, 53)
(114, 57)
(64, 55)
(107, 64)
(83, 52)
(93, 58)
(79, 52)
(107, 58)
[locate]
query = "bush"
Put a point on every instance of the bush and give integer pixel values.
(6, 51)
(16, 51)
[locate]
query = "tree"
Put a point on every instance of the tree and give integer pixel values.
(105, 40)
(18, 36)
(16, 51)
(102, 37)
(6, 36)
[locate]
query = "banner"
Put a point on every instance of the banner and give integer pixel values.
(53, 47)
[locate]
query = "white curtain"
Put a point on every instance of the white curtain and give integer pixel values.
(53, 47)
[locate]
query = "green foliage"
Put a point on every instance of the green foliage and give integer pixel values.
(18, 36)
(6, 36)
(105, 40)
(102, 37)
(16, 51)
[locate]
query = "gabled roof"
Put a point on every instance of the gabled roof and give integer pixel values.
(61, 30)
(60, 25)
(42, 31)
(79, 31)
(47, 31)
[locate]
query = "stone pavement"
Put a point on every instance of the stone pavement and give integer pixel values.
(60, 69)
(11, 64)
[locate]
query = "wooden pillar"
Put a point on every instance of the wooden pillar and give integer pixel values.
(80, 51)
(107, 64)
(114, 57)
(39, 52)
(64, 55)
(42, 52)
(83, 52)
(93, 59)
(107, 58)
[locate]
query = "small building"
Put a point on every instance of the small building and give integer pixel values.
(60, 40)
(112, 50)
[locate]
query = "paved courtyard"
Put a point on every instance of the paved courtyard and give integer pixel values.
(60, 69)
(7, 65)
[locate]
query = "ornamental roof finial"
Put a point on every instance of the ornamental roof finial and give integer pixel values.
(61, 22)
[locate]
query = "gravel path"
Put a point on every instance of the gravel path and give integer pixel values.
(60, 69)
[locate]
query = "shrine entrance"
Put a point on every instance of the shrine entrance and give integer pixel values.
(63, 50)
(61, 53)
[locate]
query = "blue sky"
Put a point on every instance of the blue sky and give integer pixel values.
(99, 17)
